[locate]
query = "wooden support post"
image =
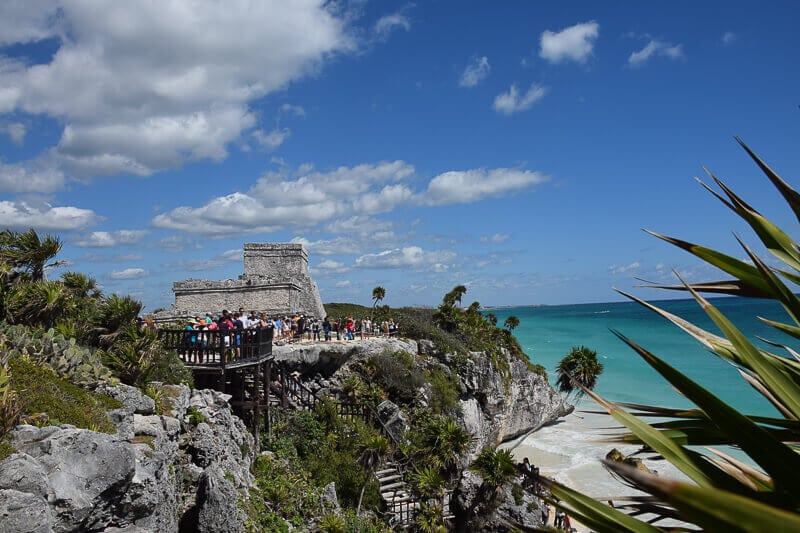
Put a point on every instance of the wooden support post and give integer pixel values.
(267, 383)
(257, 399)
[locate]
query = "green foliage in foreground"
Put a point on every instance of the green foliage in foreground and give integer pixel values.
(329, 448)
(727, 494)
(78, 364)
(40, 390)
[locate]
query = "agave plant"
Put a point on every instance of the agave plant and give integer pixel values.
(726, 494)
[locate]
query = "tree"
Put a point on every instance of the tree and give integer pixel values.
(26, 252)
(511, 322)
(496, 468)
(581, 365)
(378, 294)
(761, 493)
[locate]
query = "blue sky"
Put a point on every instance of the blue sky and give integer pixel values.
(514, 147)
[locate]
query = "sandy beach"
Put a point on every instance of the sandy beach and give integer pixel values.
(569, 451)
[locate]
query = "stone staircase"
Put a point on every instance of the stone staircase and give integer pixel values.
(399, 500)
(401, 503)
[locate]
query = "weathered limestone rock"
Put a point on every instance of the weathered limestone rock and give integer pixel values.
(635, 462)
(82, 468)
(328, 357)
(214, 510)
(494, 413)
(144, 479)
(476, 513)
(131, 397)
(23, 512)
(393, 419)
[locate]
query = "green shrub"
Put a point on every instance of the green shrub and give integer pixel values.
(282, 491)
(40, 390)
(517, 493)
(446, 391)
(79, 364)
(195, 416)
(397, 373)
(5, 450)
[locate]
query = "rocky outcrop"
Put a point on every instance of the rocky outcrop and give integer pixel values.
(325, 358)
(158, 473)
(506, 509)
(496, 410)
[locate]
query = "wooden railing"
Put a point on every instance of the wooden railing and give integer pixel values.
(219, 347)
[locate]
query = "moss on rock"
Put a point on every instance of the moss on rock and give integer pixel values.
(40, 390)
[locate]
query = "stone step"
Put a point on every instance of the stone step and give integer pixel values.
(383, 480)
(393, 486)
(384, 472)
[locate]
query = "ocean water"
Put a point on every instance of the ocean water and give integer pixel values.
(569, 450)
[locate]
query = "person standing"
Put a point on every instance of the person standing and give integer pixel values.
(326, 328)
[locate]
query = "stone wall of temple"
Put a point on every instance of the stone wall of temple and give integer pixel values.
(275, 281)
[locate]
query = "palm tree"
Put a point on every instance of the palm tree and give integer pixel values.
(373, 450)
(38, 304)
(496, 467)
(579, 365)
(378, 294)
(511, 322)
(29, 253)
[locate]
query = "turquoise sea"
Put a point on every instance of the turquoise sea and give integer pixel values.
(547, 333)
(570, 450)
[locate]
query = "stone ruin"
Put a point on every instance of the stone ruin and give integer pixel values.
(275, 281)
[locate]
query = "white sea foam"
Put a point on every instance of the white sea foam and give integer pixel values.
(569, 452)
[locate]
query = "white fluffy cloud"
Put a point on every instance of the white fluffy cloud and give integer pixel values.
(389, 23)
(460, 187)
(37, 176)
(655, 48)
(475, 72)
(16, 132)
(497, 237)
(408, 257)
(309, 198)
(514, 102)
(728, 38)
(570, 44)
(144, 86)
(129, 273)
(614, 269)
(108, 239)
(23, 215)
(270, 141)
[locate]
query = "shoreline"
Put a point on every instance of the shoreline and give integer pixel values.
(570, 452)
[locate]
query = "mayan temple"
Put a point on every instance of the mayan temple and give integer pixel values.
(275, 280)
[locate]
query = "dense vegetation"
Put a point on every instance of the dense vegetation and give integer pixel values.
(60, 339)
(452, 328)
(67, 328)
(727, 494)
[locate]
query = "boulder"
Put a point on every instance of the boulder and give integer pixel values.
(393, 419)
(23, 512)
(217, 509)
(131, 397)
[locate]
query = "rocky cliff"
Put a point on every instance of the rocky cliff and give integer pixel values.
(182, 470)
(494, 408)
